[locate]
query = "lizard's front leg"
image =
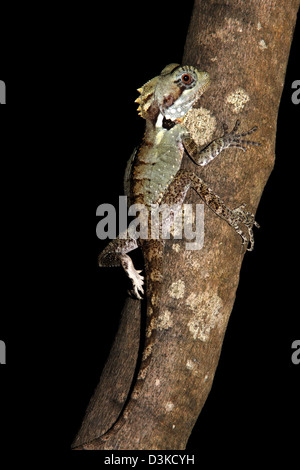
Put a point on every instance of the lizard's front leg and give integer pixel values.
(185, 179)
(211, 151)
(115, 254)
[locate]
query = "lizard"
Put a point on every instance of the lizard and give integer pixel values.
(154, 176)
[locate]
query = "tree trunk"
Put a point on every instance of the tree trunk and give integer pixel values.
(244, 46)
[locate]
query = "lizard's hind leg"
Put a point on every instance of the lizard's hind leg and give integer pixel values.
(234, 217)
(115, 254)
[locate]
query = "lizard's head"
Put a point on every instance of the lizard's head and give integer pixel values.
(172, 93)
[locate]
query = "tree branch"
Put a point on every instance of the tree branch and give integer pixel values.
(244, 46)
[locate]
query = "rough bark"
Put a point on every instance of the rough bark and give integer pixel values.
(245, 47)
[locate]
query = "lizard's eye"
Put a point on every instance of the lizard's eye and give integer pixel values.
(187, 79)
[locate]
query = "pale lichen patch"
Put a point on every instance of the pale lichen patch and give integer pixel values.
(169, 406)
(194, 301)
(201, 125)
(190, 365)
(259, 26)
(177, 289)
(227, 33)
(176, 247)
(238, 98)
(262, 45)
(192, 260)
(164, 320)
(206, 309)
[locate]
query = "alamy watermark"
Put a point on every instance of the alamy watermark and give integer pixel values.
(2, 352)
(296, 94)
(180, 221)
(2, 92)
(296, 354)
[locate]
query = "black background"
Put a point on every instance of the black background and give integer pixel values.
(69, 128)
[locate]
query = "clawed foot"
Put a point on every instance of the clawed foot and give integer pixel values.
(240, 215)
(137, 285)
(231, 139)
(134, 275)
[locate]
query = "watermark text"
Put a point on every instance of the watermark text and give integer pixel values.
(2, 352)
(296, 94)
(296, 354)
(160, 222)
(2, 92)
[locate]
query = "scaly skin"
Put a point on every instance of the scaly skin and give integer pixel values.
(153, 176)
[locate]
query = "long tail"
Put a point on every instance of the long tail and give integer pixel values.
(153, 255)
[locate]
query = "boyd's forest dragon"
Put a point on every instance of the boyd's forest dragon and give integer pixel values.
(154, 176)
